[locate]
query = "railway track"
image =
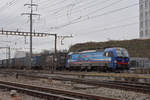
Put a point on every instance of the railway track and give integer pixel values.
(83, 74)
(123, 85)
(49, 93)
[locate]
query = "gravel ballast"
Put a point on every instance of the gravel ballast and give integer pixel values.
(101, 91)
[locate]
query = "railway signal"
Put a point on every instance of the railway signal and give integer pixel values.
(64, 37)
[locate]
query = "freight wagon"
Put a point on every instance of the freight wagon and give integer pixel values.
(45, 61)
(22, 63)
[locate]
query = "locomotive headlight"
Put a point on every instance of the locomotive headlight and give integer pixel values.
(115, 61)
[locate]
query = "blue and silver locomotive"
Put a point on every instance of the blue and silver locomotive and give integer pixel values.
(99, 60)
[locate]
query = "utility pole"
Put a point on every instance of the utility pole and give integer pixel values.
(55, 56)
(55, 52)
(31, 28)
(9, 64)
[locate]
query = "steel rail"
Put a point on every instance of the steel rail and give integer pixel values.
(139, 87)
(124, 85)
(115, 75)
(38, 93)
(69, 95)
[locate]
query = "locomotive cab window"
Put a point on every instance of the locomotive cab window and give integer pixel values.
(122, 53)
(106, 54)
(110, 54)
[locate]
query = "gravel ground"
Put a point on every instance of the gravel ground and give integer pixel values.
(5, 95)
(123, 95)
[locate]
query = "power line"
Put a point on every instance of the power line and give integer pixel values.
(74, 4)
(13, 20)
(77, 20)
(100, 9)
(62, 8)
(7, 5)
(90, 6)
(102, 2)
(57, 10)
(43, 1)
(118, 21)
(114, 27)
(47, 2)
(97, 10)
(11, 15)
(57, 3)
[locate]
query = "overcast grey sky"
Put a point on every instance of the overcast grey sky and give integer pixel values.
(87, 20)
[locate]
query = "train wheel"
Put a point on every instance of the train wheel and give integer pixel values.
(104, 69)
(70, 69)
(99, 69)
(88, 68)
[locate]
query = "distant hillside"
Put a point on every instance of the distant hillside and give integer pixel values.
(136, 48)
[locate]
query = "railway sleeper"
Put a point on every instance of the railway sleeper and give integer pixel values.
(39, 94)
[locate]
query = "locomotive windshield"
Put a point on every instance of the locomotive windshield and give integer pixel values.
(122, 53)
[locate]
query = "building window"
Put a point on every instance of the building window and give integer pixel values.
(146, 23)
(141, 24)
(141, 7)
(141, 16)
(146, 3)
(146, 32)
(146, 15)
(141, 34)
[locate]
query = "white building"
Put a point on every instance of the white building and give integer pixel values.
(144, 18)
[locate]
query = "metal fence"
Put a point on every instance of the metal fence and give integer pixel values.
(139, 62)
